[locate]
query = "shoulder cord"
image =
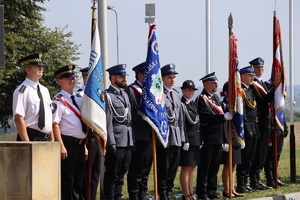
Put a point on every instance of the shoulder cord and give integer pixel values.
(188, 116)
(115, 114)
(252, 106)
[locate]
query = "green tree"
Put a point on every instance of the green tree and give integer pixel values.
(25, 33)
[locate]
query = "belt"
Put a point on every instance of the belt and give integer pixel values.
(253, 119)
(38, 133)
(174, 123)
(77, 140)
(126, 123)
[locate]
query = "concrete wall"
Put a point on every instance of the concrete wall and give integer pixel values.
(29, 170)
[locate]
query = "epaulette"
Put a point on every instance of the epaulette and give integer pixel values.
(22, 88)
(78, 92)
(57, 97)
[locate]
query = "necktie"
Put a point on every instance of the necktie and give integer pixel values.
(75, 104)
(41, 123)
(121, 94)
(171, 94)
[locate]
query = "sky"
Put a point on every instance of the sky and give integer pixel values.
(180, 33)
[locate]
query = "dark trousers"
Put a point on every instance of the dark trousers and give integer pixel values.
(116, 167)
(210, 158)
(269, 165)
(72, 169)
(167, 165)
(261, 151)
(140, 166)
(95, 165)
(248, 153)
(34, 135)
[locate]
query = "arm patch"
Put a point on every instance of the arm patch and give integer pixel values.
(54, 107)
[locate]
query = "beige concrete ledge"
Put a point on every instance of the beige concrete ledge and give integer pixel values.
(29, 170)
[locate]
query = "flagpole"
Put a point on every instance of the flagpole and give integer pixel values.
(275, 24)
(89, 138)
(150, 18)
(207, 19)
(230, 105)
(292, 100)
(102, 24)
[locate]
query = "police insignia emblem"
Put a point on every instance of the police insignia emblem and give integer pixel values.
(54, 107)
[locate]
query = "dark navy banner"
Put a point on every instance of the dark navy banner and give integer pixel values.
(153, 107)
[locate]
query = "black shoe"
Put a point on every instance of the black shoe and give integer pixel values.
(271, 184)
(142, 195)
(241, 189)
(214, 196)
(263, 185)
(238, 195)
(224, 194)
(281, 184)
(249, 189)
(257, 187)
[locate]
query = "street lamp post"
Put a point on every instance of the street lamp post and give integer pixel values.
(118, 50)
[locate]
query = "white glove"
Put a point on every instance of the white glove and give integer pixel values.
(225, 147)
(201, 145)
(228, 116)
(186, 146)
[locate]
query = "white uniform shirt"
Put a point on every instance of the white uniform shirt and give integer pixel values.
(68, 122)
(26, 103)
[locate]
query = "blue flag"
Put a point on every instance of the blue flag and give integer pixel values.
(93, 107)
(153, 107)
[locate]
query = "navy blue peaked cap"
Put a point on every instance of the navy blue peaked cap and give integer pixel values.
(257, 62)
(209, 78)
(168, 69)
(139, 67)
(117, 70)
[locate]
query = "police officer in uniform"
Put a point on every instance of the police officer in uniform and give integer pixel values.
(212, 120)
(251, 130)
(141, 160)
(96, 154)
(32, 103)
(68, 131)
(119, 133)
(263, 97)
(189, 157)
(168, 158)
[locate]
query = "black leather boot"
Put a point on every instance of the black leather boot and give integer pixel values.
(270, 179)
(133, 196)
(254, 183)
(259, 182)
(163, 196)
(240, 188)
(142, 195)
(117, 197)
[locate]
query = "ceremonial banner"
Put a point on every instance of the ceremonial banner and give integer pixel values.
(236, 96)
(278, 76)
(153, 107)
(93, 107)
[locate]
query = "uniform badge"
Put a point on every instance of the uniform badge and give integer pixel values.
(22, 89)
(102, 95)
(54, 107)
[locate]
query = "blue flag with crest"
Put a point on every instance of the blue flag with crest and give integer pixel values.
(153, 107)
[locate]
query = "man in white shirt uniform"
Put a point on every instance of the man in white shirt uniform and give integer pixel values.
(32, 103)
(68, 131)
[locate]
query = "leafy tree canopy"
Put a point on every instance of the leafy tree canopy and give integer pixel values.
(25, 33)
